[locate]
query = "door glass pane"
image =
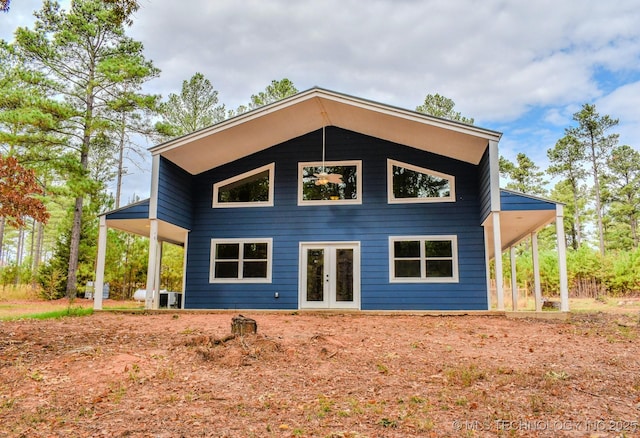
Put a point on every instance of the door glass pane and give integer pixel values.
(344, 274)
(315, 275)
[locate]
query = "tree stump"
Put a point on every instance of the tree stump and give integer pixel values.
(241, 325)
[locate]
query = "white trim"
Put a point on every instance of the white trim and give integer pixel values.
(102, 251)
(455, 278)
(151, 266)
(356, 163)
(562, 259)
(268, 203)
(535, 257)
(487, 263)
(497, 255)
(153, 197)
(391, 199)
(329, 301)
(241, 242)
(494, 176)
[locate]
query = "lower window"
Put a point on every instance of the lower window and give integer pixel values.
(240, 260)
(423, 259)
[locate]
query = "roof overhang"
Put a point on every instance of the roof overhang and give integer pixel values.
(166, 232)
(516, 226)
(310, 110)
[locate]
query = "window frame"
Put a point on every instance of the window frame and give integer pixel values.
(455, 278)
(393, 200)
(240, 260)
(356, 163)
(269, 203)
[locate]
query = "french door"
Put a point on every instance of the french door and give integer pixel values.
(330, 275)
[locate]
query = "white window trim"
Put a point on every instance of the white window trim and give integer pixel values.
(216, 187)
(423, 278)
(240, 242)
(393, 200)
(357, 163)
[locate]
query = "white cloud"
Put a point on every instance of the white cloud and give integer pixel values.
(521, 67)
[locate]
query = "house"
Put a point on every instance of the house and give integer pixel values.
(328, 201)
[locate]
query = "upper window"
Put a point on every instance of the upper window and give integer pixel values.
(250, 189)
(423, 259)
(334, 182)
(234, 260)
(407, 183)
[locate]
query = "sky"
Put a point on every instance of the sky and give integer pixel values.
(519, 67)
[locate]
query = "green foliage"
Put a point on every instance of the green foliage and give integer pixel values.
(194, 108)
(443, 107)
(524, 175)
(56, 314)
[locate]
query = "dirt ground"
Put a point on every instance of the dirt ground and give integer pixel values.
(323, 375)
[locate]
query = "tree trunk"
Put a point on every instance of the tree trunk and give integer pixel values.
(74, 249)
(2, 222)
(120, 161)
(596, 187)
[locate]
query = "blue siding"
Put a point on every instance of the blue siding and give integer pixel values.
(510, 201)
(139, 210)
(175, 195)
(370, 223)
(484, 180)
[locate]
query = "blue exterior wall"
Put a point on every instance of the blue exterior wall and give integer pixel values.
(138, 210)
(484, 181)
(510, 201)
(175, 195)
(371, 224)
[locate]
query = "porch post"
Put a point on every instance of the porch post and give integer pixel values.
(562, 259)
(514, 279)
(497, 251)
(536, 271)
(496, 206)
(152, 265)
(156, 297)
(487, 266)
(102, 250)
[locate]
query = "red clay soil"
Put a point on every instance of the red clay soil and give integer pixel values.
(321, 375)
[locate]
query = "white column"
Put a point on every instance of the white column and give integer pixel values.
(562, 259)
(156, 297)
(514, 279)
(152, 265)
(487, 266)
(497, 251)
(184, 267)
(102, 251)
(536, 271)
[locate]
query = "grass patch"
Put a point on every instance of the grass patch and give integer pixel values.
(54, 314)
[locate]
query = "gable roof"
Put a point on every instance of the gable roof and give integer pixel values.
(310, 110)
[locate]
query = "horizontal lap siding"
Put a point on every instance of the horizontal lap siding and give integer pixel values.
(484, 180)
(138, 210)
(515, 202)
(371, 224)
(174, 195)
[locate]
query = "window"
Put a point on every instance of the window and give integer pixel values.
(251, 189)
(423, 259)
(234, 260)
(337, 182)
(407, 183)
